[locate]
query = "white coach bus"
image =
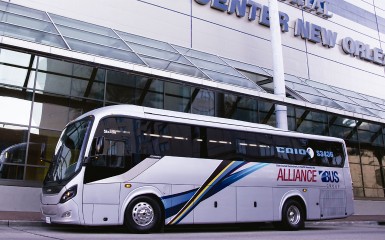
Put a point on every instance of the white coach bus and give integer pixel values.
(146, 168)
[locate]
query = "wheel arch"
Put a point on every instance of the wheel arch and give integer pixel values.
(292, 195)
(142, 191)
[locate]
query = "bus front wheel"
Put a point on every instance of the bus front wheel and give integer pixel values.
(293, 217)
(143, 215)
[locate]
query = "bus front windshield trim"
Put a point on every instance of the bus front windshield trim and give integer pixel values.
(67, 159)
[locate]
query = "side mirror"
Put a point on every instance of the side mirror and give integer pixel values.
(42, 151)
(97, 146)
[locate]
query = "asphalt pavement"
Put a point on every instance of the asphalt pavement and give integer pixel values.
(35, 218)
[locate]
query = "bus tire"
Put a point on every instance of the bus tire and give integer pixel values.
(143, 215)
(293, 216)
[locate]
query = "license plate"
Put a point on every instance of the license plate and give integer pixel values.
(48, 220)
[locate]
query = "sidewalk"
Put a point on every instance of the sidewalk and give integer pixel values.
(28, 218)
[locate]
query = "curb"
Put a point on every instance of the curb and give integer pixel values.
(344, 223)
(19, 223)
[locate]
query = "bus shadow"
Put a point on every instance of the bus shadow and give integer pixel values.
(204, 228)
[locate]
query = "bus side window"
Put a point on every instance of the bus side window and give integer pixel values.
(115, 157)
(116, 154)
(290, 150)
(249, 148)
(219, 144)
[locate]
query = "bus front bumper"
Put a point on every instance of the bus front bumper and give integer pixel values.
(66, 213)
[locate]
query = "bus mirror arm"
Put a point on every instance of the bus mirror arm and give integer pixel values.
(45, 160)
(43, 153)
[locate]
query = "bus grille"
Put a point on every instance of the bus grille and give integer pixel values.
(333, 203)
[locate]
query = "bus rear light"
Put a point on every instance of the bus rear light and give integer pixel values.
(69, 194)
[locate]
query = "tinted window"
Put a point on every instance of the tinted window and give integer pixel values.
(129, 141)
(163, 138)
(117, 156)
(255, 147)
(309, 152)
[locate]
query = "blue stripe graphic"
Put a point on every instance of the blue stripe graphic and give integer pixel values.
(174, 203)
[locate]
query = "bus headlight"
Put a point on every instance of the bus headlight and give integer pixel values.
(69, 194)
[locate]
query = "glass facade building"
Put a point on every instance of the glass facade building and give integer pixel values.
(41, 90)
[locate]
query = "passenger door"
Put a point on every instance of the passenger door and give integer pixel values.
(101, 192)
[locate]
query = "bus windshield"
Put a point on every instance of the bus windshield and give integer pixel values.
(67, 159)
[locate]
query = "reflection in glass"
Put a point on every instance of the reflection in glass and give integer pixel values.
(267, 113)
(177, 97)
(199, 55)
(12, 151)
(319, 99)
(245, 67)
(69, 79)
(291, 119)
(31, 35)
(370, 133)
(14, 58)
(260, 80)
(121, 87)
(27, 22)
(12, 75)
(344, 128)
(8, 7)
(355, 170)
(233, 80)
(47, 114)
(92, 37)
(202, 102)
(35, 173)
(104, 51)
(14, 110)
(311, 122)
(371, 155)
(240, 108)
(145, 41)
(173, 66)
(82, 25)
(39, 137)
(353, 152)
(372, 181)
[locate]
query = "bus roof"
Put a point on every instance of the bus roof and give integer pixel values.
(194, 119)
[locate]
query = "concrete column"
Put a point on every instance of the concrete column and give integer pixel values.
(279, 77)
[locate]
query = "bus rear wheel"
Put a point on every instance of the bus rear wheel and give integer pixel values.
(143, 215)
(293, 217)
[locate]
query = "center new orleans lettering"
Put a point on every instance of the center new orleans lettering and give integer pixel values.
(315, 33)
(363, 51)
(320, 7)
(239, 7)
(306, 30)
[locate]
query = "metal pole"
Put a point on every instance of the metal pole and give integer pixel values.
(278, 77)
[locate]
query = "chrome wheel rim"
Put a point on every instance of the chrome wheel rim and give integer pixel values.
(293, 215)
(142, 214)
